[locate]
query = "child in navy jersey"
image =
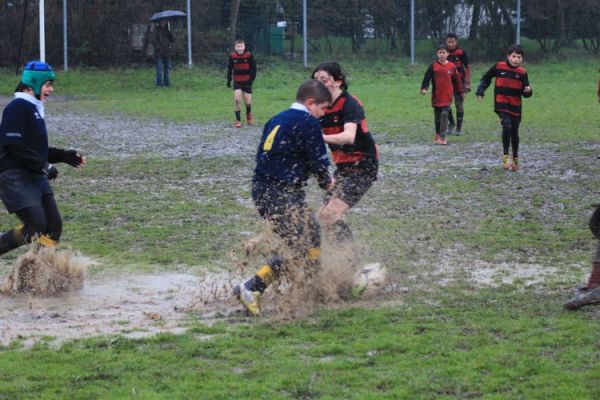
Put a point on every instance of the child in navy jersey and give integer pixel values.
(290, 150)
(27, 162)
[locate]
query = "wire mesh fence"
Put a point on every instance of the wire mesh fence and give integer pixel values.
(109, 33)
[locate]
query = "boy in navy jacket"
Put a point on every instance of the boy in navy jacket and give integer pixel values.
(27, 163)
(290, 150)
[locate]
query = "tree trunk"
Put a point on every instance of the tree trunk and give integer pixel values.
(233, 16)
(473, 32)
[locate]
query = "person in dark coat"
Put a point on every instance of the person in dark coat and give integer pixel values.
(27, 162)
(162, 40)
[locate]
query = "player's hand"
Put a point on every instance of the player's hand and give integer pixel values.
(50, 171)
(479, 98)
(228, 84)
(74, 159)
(527, 89)
(467, 87)
(423, 92)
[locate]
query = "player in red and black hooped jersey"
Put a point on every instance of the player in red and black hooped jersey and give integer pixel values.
(445, 82)
(352, 148)
(242, 70)
(459, 58)
(512, 83)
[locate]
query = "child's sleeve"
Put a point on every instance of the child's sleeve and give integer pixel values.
(252, 68)
(467, 66)
(457, 81)
(427, 77)
(525, 84)
(485, 81)
(229, 69)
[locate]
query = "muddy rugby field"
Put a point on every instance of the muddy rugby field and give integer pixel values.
(438, 217)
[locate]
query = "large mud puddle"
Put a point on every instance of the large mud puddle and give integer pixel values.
(133, 306)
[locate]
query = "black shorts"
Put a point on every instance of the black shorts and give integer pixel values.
(352, 184)
(244, 87)
(21, 189)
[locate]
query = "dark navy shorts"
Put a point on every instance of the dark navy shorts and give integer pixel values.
(21, 189)
(244, 87)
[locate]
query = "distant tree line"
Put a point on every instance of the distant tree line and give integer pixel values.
(105, 33)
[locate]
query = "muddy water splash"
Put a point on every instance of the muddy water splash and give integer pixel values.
(46, 271)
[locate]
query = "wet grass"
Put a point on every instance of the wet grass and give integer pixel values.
(436, 214)
(501, 344)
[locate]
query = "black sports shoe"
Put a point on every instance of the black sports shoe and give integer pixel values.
(583, 298)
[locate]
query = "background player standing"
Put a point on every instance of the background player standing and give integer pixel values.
(242, 70)
(445, 80)
(459, 58)
(512, 83)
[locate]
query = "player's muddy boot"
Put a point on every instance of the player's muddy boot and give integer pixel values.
(505, 163)
(237, 124)
(515, 164)
(249, 299)
(437, 139)
(443, 140)
(584, 298)
(250, 119)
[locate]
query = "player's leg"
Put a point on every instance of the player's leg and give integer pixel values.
(248, 102)
(436, 121)
(514, 140)
(451, 124)
(460, 113)
(53, 219)
(34, 225)
(506, 122)
(237, 101)
(444, 111)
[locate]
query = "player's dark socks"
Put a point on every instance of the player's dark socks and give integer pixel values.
(238, 116)
(451, 119)
(248, 109)
(459, 120)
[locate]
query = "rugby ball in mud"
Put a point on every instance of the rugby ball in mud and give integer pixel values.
(369, 281)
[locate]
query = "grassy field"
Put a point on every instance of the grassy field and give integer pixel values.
(484, 258)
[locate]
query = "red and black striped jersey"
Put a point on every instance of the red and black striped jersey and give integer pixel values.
(510, 85)
(348, 109)
(241, 68)
(459, 58)
(444, 80)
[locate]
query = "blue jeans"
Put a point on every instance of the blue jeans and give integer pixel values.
(162, 71)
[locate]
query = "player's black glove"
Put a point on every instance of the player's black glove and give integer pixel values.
(73, 158)
(50, 171)
(228, 84)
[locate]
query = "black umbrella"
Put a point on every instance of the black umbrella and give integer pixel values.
(168, 14)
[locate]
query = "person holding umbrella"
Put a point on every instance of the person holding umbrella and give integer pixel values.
(162, 40)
